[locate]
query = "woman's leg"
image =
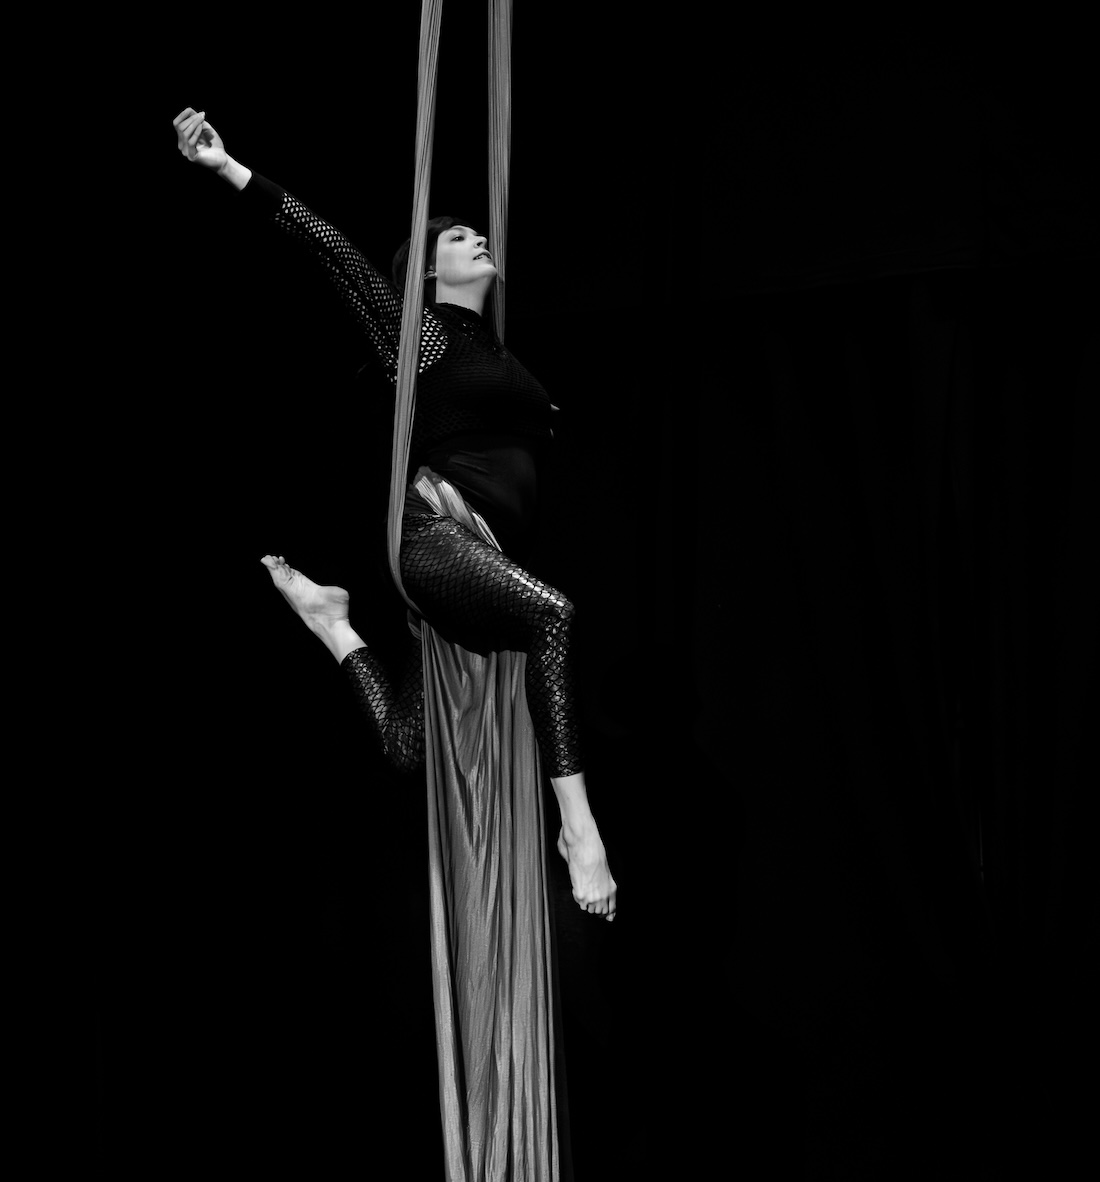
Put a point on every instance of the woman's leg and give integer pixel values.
(476, 596)
(395, 713)
(467, 586)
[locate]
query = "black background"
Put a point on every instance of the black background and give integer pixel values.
(816, 301)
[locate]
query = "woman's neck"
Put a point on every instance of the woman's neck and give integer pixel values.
(466, 295)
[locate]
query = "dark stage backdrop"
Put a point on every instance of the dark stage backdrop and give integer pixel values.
(818, 307)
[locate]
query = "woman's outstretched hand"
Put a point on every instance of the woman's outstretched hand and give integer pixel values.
(198, 141)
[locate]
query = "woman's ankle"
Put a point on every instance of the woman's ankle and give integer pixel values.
(339, 638)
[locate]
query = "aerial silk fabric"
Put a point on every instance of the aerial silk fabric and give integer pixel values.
(492, 972)
(408, 349)
(490, 925)
(500, 140)
(500, 143)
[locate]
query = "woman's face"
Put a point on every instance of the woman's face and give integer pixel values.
(461, 257)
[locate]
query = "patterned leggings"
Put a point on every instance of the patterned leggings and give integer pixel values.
(477, 597)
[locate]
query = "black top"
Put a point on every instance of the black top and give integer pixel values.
(481, 419)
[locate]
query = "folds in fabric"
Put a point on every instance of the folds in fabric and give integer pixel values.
(490, 925)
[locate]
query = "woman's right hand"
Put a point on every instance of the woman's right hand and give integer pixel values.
(198, 141)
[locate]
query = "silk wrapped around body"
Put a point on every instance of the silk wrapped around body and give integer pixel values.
(490, 925)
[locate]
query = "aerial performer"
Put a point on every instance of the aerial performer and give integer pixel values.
(487, 702)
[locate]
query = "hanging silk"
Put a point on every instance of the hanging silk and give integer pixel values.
(498, 1045)
(500, 144)
(496, 1037)
(408, 352)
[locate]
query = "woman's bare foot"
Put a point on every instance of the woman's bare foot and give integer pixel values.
(324, 610)
(593, 887)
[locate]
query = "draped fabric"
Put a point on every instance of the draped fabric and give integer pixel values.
(409, 347)
(500, 143)
(500, 137)
(490, 927)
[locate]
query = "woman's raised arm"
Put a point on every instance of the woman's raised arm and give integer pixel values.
(201, 144)
(369, 296)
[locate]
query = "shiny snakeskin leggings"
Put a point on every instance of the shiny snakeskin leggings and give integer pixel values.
(474, 595)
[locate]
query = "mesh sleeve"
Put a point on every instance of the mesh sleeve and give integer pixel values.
(367, 294)
(370, 298)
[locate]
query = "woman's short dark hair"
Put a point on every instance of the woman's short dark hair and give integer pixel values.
(436, 226)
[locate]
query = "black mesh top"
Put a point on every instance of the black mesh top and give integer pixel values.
(481, 418)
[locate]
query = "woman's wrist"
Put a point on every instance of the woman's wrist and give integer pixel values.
(235, 173)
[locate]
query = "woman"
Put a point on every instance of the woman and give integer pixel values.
(481, 420)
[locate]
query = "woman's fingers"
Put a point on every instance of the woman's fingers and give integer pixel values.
(185, 122)
(183, 130)
(189, 125)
